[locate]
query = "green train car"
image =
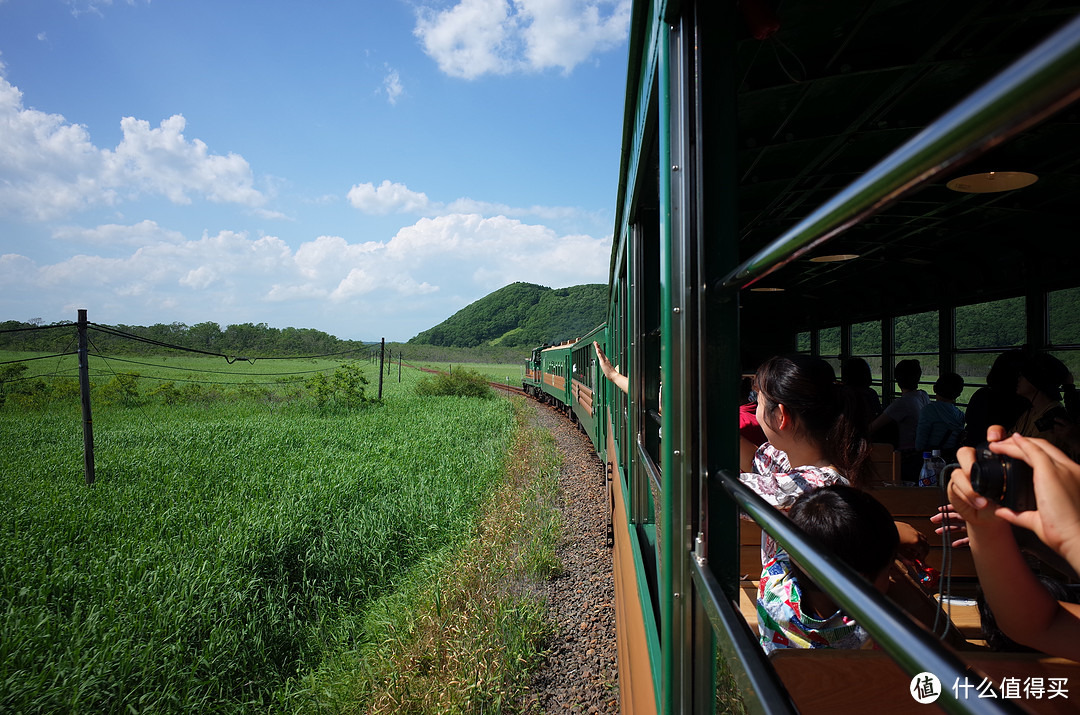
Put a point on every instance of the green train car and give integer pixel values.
(586, 400)
(821, 178)
(555, 368)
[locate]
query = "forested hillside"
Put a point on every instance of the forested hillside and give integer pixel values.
(233, 340)
(522, 315)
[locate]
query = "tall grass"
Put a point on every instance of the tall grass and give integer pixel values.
(225, 548)
(466, 631)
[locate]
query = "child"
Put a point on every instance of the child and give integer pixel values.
(792, 611)
(941, 423)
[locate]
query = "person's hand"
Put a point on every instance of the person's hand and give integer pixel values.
(913, 545)
(973, 508)
(950, 525)
(1056, 520)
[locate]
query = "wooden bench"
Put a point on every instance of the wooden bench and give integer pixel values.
(859, 681)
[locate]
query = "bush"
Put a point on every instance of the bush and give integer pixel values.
(122, 390)
(345, 388)
(462, 383)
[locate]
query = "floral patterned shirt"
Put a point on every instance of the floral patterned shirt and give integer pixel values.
(780, 484)
(783, 624)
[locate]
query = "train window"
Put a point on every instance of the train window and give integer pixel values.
(1064, 316)
(866, 339)
(829, 346)
(997, 324)
(803, 342)
(915, 336)
(866, 343)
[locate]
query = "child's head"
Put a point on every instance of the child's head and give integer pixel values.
(949, 386)
(853, 525)
(907, 374)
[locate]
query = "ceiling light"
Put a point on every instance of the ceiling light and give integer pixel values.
(766, 290)
(989, 182)
(834, 258)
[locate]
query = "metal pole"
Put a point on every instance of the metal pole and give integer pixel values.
(399, 366)
(382, 352)
(84, 391)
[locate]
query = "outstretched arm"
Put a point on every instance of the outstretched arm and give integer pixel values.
(617, 378)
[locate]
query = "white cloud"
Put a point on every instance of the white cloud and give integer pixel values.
(391, 197)
(51, 168)
(430, 268)
(478, 37)
(141, 234)
(392, 86)
(386, 198)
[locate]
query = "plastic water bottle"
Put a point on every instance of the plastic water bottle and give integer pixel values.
(928, 474)
(939, 464)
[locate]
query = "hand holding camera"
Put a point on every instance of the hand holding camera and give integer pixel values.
(1022, 481)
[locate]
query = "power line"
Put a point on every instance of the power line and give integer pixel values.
(229, 359)
(195, 369)
(40, 357)
(37, 327)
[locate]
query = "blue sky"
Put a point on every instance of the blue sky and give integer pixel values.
(363, 167)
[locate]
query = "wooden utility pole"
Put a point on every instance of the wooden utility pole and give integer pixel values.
(382, 353)
(84, 391)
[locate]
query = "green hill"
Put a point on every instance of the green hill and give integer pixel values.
(522, 315)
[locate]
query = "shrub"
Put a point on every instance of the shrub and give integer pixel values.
(345, 388)
(462, 383)
(123, 389)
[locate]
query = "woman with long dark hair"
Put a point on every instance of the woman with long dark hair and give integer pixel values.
(816, 430)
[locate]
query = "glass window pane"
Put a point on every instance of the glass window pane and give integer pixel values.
(829, 341)
(866, 338)
(1064, 307)
(916, 333)
(802, 342)
(997, 324)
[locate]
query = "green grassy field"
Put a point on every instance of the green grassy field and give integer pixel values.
(229, 545)
(494, 372)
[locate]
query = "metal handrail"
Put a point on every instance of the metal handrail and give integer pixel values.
(914, 649)
(1038, 84)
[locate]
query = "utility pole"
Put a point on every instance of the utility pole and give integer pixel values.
(382, 353)
(84, 391)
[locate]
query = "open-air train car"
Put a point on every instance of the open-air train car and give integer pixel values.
(786, 184)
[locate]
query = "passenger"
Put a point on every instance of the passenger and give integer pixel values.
(818, 425)
(941, 423)
(816, 431)
(1023, 608)
(1040, 381)
(850, 524)
(997, 403)
(751, 435)
(610, 371)
(855, 372)
(902, 414)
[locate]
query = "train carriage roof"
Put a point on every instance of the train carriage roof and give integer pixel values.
(842, 84)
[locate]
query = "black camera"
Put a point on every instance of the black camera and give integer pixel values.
(1003, 479)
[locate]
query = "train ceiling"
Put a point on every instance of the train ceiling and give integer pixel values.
(842, 84)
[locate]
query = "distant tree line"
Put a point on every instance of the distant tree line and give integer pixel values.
(243, 339)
